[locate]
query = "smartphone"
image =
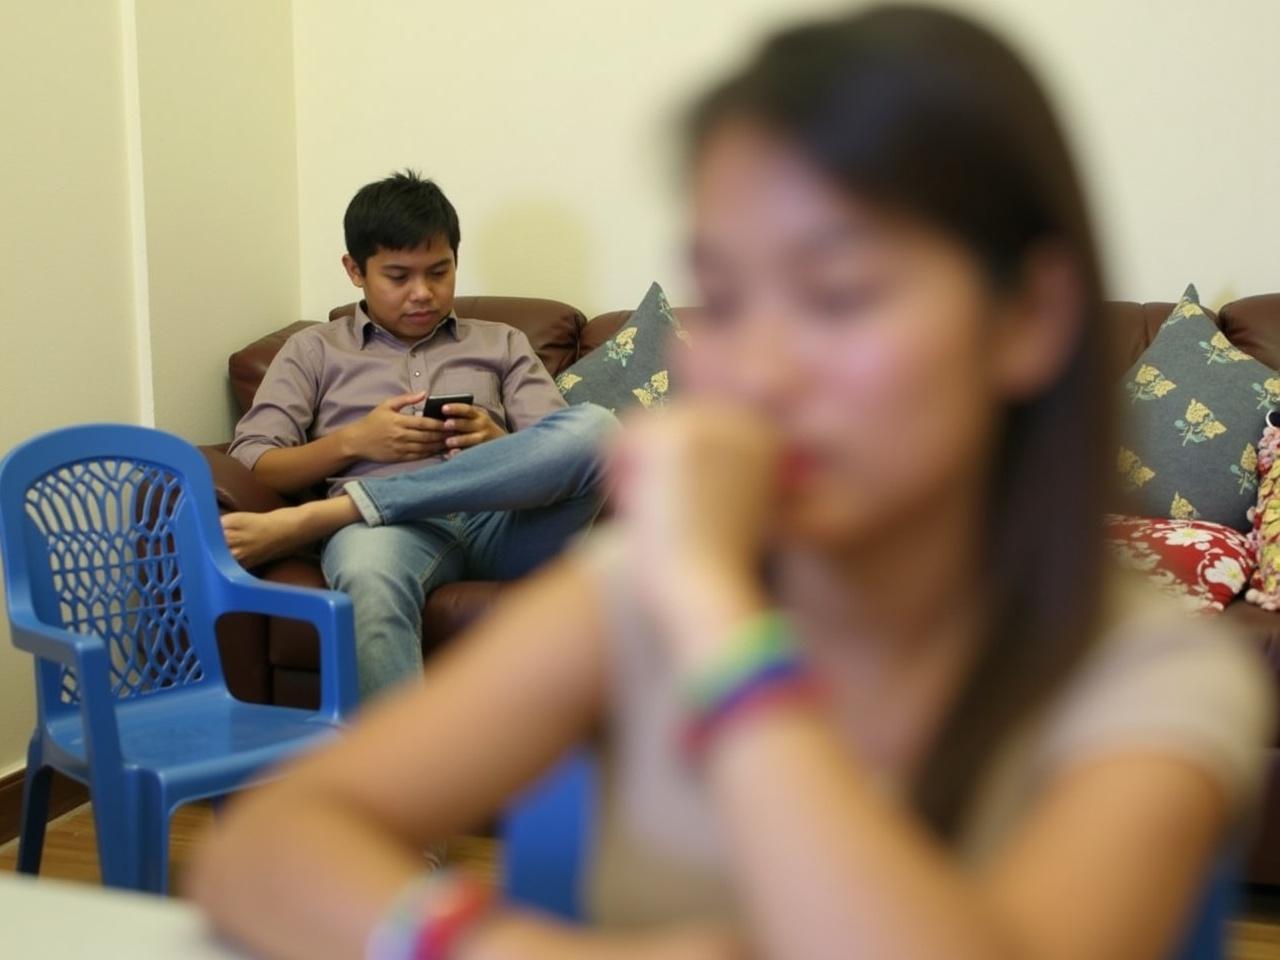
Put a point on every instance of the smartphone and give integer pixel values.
(434, 407)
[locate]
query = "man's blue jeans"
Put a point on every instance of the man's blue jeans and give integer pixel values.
(494, 512)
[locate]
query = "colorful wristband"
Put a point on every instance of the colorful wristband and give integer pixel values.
(429, 917)
(758, 668)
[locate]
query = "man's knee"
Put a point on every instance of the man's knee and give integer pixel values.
(586, 429)
(365, 567)
(366, 581)
(386, 658)
(592, 421)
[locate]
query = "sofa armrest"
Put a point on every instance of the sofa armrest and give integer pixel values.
(236, 487)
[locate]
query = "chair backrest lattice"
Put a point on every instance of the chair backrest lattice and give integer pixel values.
(109, 531)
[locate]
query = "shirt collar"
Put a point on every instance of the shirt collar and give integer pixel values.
(365, 326)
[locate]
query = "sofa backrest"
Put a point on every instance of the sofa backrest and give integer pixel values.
(560, 334)
(603, 326)
(553, 328)
(1251, 323)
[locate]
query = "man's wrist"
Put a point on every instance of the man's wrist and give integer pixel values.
(494, 430)
(348, 442)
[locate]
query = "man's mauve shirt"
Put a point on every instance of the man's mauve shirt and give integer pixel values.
(332, 374)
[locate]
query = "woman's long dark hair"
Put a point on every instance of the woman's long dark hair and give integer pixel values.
(928, 113)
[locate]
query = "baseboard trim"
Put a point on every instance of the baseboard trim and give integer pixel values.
(65, 794)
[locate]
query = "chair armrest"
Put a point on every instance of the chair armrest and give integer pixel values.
(329, 611)
(236, 487)
(86, 654)
(51, 643)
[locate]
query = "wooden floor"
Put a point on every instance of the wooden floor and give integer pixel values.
(70, 854)
(70, 848)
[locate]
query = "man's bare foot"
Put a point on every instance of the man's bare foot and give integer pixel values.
(255, 538)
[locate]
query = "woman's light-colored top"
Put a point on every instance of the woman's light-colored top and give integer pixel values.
(1157, 679)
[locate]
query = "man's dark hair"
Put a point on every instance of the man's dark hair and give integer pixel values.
(399, 213)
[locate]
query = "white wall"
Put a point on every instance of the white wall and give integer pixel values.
(551, 127)
(215, 83)
(65, 254)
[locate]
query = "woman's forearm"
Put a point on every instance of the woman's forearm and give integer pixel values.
(306, 865)
(512, 935)
(310, 879)
(827, 861)
(300, 877)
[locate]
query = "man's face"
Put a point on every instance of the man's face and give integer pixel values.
(407, 292)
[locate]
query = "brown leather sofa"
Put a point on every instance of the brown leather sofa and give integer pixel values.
(276, 661)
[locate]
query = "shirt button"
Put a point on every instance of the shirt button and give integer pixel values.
(417, 373)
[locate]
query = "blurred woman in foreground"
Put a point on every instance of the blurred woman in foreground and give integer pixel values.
(866, 690)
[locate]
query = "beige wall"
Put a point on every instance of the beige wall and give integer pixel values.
(549, 125)
(149, 222)
(215, 80)
(1173, 106)
(68, 351)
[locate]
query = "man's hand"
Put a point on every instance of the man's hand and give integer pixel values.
(467, 426)
(385, 435)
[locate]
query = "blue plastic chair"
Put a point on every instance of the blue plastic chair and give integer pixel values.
(1208, 930)
(547, 839)
(116, 572)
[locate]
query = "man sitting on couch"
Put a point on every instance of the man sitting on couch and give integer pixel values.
(490, 491)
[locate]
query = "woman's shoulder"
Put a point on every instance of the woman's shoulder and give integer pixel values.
(1162, 679)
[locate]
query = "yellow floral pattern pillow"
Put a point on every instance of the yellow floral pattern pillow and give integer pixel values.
(630, 368)
(1196, 405)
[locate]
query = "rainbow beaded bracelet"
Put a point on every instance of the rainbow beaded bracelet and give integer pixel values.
(758, 667)
(429, 917)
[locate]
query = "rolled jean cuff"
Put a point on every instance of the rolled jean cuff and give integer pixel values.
(364, 503)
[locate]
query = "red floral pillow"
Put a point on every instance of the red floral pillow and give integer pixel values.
(1202, 564)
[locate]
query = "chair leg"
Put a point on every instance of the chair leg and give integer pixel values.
(133, 836)
(153, 847)
(35, 809)
(116, 823)
(151, 841)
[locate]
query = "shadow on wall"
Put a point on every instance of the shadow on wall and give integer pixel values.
(233, 406)
(531, 248)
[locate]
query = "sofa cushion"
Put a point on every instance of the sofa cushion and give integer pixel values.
(248, 365)
(1202, 565)
(630, 367)
(1253, 325)
(1130, 328)
(293, 643)
(1195, 408)
(455, 606)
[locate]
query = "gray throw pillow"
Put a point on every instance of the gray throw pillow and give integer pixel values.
(630, 368)
(1195, 408)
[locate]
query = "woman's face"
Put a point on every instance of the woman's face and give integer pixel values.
(865, 339)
